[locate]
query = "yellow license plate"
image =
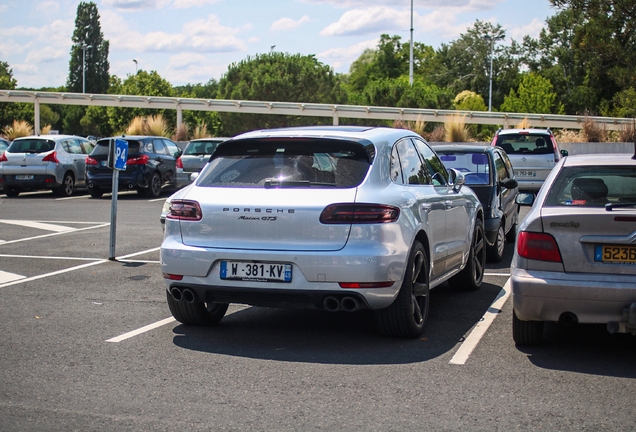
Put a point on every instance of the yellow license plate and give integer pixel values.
(615, 254)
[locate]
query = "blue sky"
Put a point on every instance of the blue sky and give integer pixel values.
(191, 41)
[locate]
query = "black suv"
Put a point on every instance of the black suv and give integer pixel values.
(151, 165)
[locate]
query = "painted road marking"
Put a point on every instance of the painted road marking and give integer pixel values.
(470, 343)
(54, 234)
(9, 277)
(38, 225)
(141, 330)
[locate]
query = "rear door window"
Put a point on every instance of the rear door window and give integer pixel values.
(31, 146)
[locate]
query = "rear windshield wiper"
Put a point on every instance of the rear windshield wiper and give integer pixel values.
(612, 206)
(274, 182)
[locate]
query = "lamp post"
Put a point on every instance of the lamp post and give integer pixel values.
(135, 66)
(492, 41)
(84, 48)
(411, 49)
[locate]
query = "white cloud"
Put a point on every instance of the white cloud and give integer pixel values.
(136, 5)
(341, 58)
(367, 21)
(532, 29)
(183, 4)
(46, 54)
(419, 4)
(202, 35)
(193, 68)
(48, 7)
(284, 24)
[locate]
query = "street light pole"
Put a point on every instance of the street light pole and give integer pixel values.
(411, 49)
(84, 48)
(488, 37)
(135, 66)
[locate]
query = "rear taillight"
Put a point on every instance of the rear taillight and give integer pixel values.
(179, 163)
(51, 157)
(3, 158)
(91, 161)
(184, 210)
(140, 160)
(350, 213)
(538, 246)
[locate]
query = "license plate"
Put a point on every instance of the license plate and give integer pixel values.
(525, 173)
(103, 163)
(24, 177)
(615, 254)
(256, 271)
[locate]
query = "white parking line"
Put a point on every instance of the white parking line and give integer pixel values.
(471, 341)
(38, 225)
(54, 234)
(9, 277)
(141, 330)
(49, 257)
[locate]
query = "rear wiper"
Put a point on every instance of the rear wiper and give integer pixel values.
(612, 206)
(275, 182)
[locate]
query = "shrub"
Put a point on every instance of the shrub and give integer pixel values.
(200, 131)
(455, 129)
(593, 132)
(157, 126)
(181, 134)
(19, 128)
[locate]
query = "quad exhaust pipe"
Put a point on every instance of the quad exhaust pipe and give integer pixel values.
(346, 304)
(183, 294)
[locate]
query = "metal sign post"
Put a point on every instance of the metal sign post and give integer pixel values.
(117, 157)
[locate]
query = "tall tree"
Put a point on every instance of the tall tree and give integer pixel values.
(88, 40)
(282, 77)
(8, 111)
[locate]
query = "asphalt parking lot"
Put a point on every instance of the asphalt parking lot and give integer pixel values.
(88, 344)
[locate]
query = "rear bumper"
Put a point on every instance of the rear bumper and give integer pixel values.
(544, 296)
(530, 185)
(183, 179)
(39, 182)
(127, 180)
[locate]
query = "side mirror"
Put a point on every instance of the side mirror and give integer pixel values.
(564, 153)
(525, 199)
(456, 179)
(194, 176)
(510, 184)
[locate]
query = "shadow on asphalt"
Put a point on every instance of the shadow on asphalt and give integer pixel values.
(298, 335)
(585, 348)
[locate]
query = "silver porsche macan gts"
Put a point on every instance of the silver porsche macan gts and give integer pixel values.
(337, 218)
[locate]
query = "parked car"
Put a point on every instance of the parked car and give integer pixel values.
(195, 155)
(533, 153)
(55, 162)
(488, 172)
(3, 144)
(336, 218)
(575, 260)
(151, 166)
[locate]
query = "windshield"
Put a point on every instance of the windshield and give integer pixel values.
(474, 165)
(286, 163)
(34, 145)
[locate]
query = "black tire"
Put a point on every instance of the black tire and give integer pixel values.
(407, 315)
(11, 193)
(67, 188)
(96, 192)
(496, 251)
(526, 332)
(154, 186)
(471, 277)
(196, 313)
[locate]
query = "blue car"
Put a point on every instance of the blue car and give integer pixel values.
(488, 172)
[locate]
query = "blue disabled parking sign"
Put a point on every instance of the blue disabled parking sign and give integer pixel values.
(121, 154)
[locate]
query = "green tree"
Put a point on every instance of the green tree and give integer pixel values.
(277, 76)
(469, 101)
(7, 82)
(399, 93)
(534, 95)
(88, 33)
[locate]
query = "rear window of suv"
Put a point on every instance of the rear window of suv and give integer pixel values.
(525, 144)
(287, 163)
(101, 149)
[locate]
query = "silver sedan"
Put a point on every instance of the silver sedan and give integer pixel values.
(332, 218)
(575, 257)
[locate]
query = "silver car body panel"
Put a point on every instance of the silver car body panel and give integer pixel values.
(282, 226)
(596, 292)
(195, 155)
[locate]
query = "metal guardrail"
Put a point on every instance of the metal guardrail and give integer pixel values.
(335, 111)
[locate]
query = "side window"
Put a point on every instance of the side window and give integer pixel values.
(149, 147)
(159, 147)
(413, 172)
(508, 164)
(66, 146)
(396, 169)
(439, 174)
(172, 148)
(500, 167)
(74, 147)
